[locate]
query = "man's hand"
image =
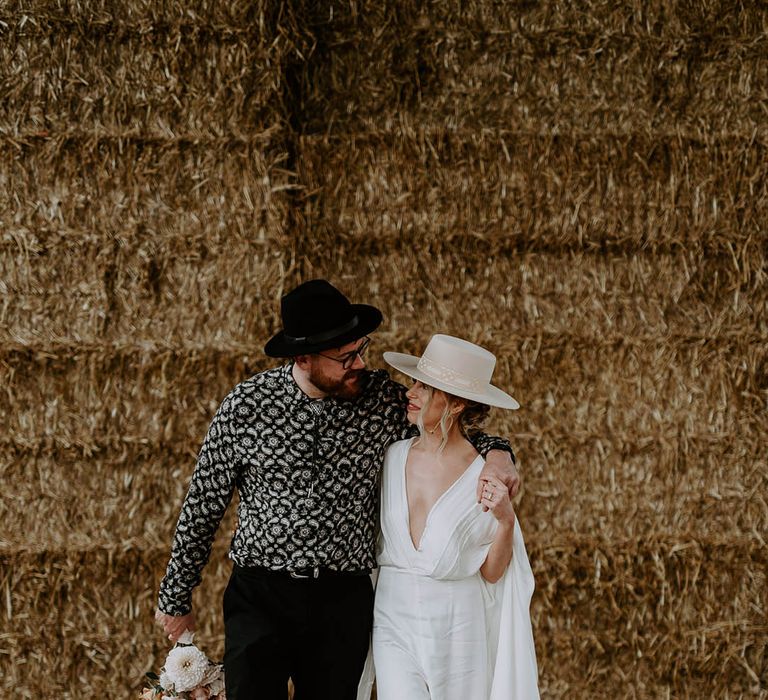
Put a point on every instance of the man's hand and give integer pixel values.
(174, 625)
(499, 465)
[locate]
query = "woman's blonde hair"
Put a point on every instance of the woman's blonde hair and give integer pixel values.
(471, 418)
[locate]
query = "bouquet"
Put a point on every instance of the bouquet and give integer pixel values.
(188, 673)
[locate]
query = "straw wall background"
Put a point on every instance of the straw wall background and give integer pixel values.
(581, 187)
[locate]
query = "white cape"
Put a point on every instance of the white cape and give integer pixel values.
(454, 545)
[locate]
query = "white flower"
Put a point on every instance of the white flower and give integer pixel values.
(164, 681)
(186, 667)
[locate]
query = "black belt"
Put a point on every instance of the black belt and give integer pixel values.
(315, 572)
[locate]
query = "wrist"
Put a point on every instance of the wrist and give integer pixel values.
(507, 523)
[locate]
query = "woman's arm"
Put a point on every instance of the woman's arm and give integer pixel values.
(495, 497)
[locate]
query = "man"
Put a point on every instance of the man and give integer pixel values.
(303, 444)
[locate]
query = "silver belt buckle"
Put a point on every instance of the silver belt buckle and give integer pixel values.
(315, 574)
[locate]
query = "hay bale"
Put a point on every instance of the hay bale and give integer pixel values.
(95, 72)
(590, 69)
(579, 187)
(507, 192)
(662, 617)
(102, 242)
(92, 629)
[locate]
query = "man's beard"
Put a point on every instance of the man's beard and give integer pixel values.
(342, 388)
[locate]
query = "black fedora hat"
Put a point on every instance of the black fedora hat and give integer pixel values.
(317, 316)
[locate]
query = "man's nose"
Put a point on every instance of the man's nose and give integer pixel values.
(359, 363)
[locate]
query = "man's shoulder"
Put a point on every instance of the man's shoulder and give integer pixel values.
(271, 379)
(255, 388)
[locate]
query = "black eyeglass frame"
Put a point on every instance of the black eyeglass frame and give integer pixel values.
(348, 359)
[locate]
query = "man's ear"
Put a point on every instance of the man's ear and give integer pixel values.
(303, 361)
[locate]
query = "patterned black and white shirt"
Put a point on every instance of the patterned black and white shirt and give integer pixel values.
(307, 473)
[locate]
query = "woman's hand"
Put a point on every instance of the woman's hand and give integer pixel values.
(175, 625)
(495, 497)
(499, 464)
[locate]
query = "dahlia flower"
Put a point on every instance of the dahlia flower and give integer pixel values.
(186, 667)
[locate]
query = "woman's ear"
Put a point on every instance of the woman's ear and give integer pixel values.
(458, 407)
(302, 361)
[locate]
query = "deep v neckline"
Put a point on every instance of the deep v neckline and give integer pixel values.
(440, 498)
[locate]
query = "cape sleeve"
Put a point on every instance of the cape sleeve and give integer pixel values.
(513, 654)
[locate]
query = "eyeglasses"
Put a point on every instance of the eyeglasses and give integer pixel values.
(349, 358)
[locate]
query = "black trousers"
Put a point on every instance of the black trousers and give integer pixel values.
(315, 631)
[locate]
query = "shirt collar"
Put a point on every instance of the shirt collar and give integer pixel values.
(292, 388)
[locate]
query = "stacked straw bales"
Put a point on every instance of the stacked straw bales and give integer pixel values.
(579, 186)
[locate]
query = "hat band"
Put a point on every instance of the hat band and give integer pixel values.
(325, 335)
(449, 375)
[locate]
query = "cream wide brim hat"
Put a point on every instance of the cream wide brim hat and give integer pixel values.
(455, 366)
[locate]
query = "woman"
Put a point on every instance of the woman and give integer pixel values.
(451, 619)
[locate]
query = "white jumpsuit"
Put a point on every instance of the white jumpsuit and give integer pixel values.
(440, 631)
